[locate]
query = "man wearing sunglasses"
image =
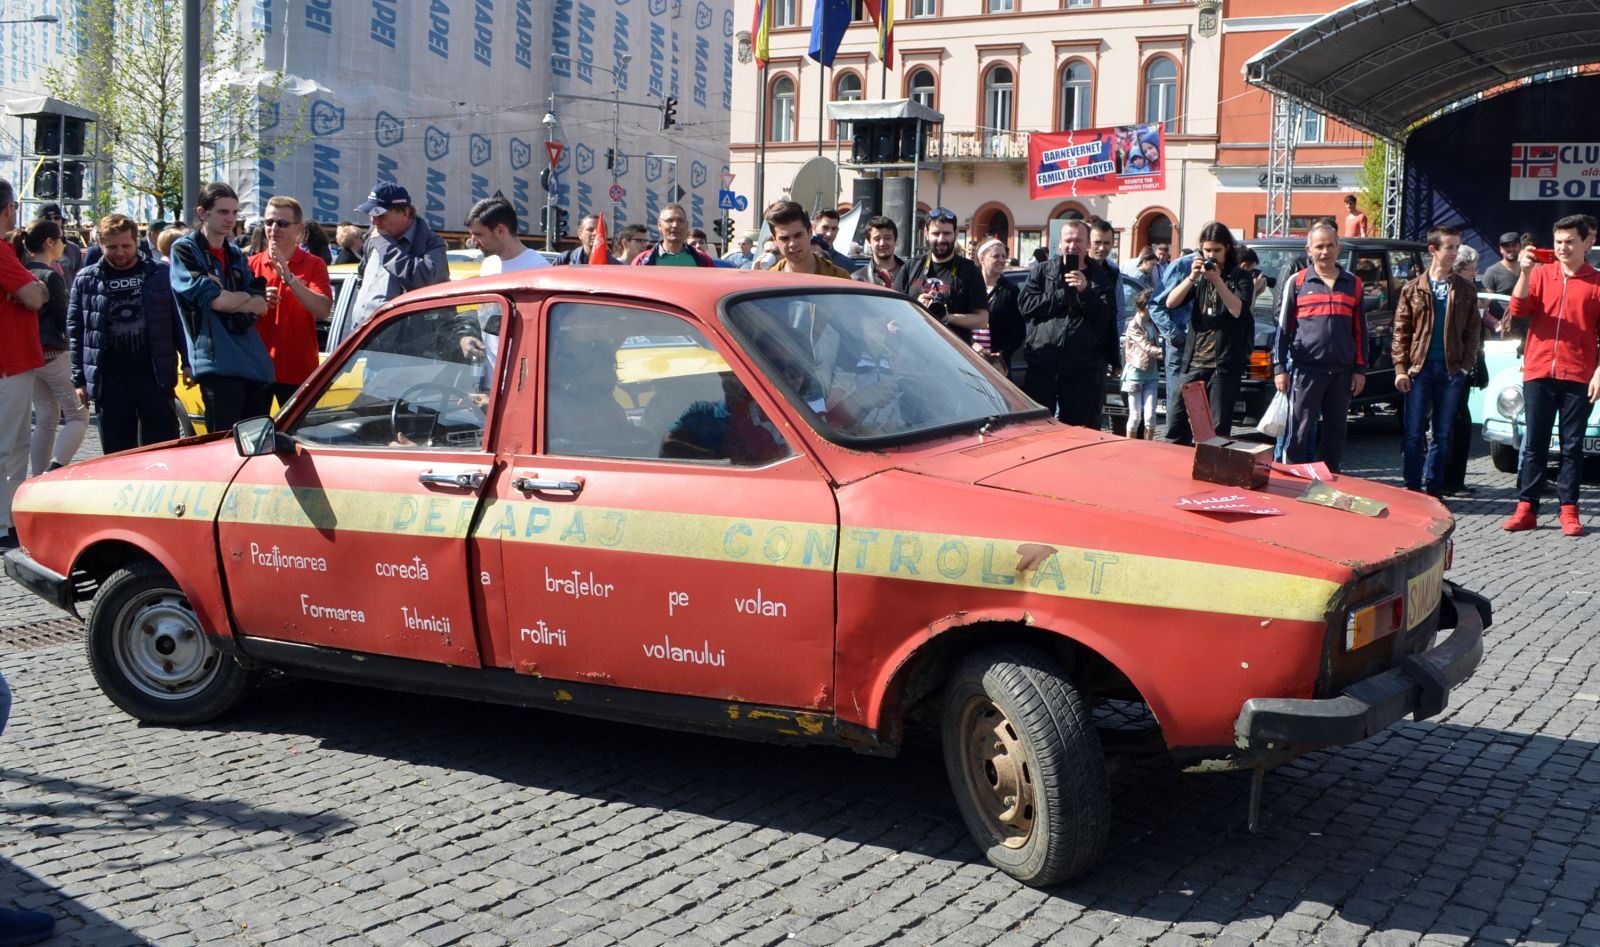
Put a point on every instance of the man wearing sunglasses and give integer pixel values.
(946, 284)
(299, 295)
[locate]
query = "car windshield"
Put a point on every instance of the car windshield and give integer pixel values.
(869, 369)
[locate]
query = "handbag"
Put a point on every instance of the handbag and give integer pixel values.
(1479, 376)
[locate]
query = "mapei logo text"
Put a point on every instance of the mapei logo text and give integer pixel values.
(521, 154)
(697, 174)
(326, 118)
(479, 150)
(435, 143)
(585, 159)
(702, 16)
(390, 130)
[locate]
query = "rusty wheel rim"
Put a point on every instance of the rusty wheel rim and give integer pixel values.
(999, 772)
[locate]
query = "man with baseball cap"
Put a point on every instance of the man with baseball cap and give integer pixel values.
(402, 252)
(1502, 277)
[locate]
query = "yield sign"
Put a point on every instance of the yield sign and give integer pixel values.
(727, 180)
(554, 149)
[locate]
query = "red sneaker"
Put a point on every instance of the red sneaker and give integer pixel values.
(1523, 518)
(1570, 524)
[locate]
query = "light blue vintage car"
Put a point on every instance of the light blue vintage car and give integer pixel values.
(1499, 408)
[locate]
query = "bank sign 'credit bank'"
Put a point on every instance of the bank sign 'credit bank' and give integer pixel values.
(1555, 172)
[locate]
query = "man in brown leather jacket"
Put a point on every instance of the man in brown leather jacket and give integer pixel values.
(1437, 333)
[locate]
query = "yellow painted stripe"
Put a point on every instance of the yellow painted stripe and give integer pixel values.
(1071, 572)
(1083, 573)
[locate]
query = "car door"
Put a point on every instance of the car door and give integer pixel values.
(358, 539)
(662, 534)
(1378, 309)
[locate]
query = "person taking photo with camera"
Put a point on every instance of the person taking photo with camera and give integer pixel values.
(1213, 297)
(948, 285)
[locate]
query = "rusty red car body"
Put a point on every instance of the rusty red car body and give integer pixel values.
(833, 594)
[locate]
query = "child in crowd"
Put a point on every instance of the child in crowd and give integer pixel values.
(1140, 369)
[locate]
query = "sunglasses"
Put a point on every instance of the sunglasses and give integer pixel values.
(940, 213)
(278, 222)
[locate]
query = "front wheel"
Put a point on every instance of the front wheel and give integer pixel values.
(1504, 457)
(1026, 765)
(151, 656)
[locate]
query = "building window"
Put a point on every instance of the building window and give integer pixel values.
(920, 88)
(846, 89)
(858, 11)
(783, 13)
(1002, 6)
(1161, 92)
(1076, 4)
(997, 93)
(921, 8)
(1312, 126)
(783, 110)
(1077, 92)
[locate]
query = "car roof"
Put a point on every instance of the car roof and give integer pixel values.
(690, 287)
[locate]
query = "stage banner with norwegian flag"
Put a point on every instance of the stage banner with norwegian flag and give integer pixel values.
(1555, 172)
(1088, 161)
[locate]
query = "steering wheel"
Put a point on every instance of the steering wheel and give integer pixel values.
(448, 395)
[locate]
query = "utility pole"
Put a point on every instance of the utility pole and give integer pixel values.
(191, 107)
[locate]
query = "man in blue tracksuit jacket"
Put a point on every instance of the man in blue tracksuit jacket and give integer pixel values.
(220, 303)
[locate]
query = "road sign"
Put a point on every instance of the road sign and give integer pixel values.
(727, 200)
(727, 180)
(554, 149)
(616, 192)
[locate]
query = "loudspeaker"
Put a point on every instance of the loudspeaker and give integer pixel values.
(899, 207)
(46, 187)
(861, 136)
(867, 194)
(913, 145)
(47, 131)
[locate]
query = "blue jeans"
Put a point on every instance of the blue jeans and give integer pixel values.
(1545, 400)
(1431, 402)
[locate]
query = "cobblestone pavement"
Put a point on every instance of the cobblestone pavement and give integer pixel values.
(322, 814)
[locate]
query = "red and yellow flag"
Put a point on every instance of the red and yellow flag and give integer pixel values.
(761, 31)
(882, 13)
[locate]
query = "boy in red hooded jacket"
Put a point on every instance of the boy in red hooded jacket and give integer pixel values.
(1560, 368)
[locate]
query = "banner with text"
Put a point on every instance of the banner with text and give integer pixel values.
(1097, 161)
(1555, 172)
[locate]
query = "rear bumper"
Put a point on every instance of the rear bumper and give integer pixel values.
(48, 584)
(1272, 729)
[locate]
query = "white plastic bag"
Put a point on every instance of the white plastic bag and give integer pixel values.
(1275, 420)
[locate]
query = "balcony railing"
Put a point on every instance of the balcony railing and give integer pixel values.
(978, 144)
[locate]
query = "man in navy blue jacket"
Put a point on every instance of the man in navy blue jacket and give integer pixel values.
(124, 340)
(220, 303)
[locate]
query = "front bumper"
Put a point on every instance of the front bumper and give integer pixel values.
(1274, 729)
(48, 584)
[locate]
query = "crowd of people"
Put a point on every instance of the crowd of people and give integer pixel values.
(108, 329)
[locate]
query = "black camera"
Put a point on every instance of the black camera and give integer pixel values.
(1208, 265)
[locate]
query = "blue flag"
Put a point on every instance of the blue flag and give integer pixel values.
(829, 21)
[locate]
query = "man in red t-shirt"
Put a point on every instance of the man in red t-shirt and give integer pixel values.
(299, 296)
(21, 296)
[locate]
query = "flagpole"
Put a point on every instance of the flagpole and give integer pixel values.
(822, 97)
(762, 105)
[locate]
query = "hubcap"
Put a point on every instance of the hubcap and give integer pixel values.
(160, 647)
(999, 772)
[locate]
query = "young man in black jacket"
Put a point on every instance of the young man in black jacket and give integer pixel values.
(1074, 339)
(948, 285)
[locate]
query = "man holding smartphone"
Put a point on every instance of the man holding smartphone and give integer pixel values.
(1560, 366)
(1074, 337)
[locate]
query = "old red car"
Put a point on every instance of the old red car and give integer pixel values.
(759, 505)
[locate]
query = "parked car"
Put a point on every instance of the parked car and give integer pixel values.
(753, 505)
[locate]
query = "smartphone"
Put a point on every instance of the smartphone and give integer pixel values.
(1069, 261)
(1543, 255)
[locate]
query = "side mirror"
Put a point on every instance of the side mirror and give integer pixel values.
(257, 437)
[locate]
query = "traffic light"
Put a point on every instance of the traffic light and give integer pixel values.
(720, 227)
(611, 159)
(669, 112)
(561, 222)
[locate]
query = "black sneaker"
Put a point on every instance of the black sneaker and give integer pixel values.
(54, 465)
(24, 927)
(9, 541)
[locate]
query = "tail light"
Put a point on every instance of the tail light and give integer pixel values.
(1260, 364)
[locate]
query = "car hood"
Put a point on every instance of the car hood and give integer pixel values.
(1143, 481)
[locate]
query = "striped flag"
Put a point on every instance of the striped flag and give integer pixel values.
(761, 31)
(885, 25)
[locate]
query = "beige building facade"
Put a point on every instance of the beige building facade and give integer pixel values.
(999, 70)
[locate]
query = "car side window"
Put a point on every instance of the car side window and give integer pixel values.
(422, 380)
(1374, 282)
(633, 384)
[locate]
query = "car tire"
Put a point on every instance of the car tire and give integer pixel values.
(1025, 765)
(185, 425)
(1504, 457)
(150, 654)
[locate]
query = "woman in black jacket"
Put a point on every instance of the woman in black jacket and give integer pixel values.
(1006, 328)
(40, 247)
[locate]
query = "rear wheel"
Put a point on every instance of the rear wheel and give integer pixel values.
(185, 423)
(151, 656)
(1026, 765)
(1504, 457)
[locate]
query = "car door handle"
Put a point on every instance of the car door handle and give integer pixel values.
(464, 481)
(531, 485)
